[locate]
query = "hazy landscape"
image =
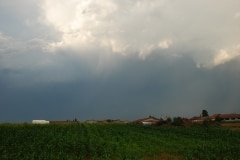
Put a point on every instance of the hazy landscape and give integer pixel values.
(119, 79)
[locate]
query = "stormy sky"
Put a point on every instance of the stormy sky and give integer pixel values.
(100, 59)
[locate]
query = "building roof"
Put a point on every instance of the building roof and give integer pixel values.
(151, 119)
(214, 116)
(233, 115)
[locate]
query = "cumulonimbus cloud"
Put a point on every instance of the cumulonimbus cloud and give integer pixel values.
(115, 26)
(142, 26)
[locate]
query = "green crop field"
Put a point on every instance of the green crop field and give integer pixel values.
(116, 141)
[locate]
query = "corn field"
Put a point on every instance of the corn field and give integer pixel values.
(116, 142)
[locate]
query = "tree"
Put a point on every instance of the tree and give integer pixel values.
(177, 121)
(169, 120)
(204, 113)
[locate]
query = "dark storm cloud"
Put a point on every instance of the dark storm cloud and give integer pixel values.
(158, 86)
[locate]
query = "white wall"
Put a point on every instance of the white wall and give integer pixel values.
(40, 122)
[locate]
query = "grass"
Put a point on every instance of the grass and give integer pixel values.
(117, 141)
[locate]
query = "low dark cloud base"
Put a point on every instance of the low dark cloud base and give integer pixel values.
(159, 86)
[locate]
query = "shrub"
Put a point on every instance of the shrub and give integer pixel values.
(177, 121)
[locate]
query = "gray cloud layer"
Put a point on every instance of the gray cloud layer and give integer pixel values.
(157, 86)
(118, 59)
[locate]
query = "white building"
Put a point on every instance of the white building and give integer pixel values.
(40, 122)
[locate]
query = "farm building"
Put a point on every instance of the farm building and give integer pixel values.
(228, 117)
(40, 122)
(223, 117)
(198, 119)
(147, 121)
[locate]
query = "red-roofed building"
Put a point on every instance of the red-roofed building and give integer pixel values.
(147, 121)
(222, 117)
